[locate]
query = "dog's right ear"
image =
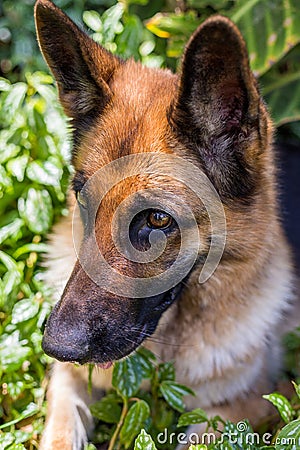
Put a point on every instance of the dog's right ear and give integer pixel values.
(218, 112)
(81, 67)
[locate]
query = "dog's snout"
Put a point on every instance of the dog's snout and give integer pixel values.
(65, 340)
(64, 350)
(92, 325)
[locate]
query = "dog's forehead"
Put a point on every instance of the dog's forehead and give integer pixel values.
(135, 120)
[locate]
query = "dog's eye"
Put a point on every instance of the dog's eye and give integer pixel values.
(80, 198)
(159, 219)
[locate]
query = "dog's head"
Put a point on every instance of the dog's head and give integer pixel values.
(141, 137)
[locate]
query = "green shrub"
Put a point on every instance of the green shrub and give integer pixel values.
(33, 179)
(157, 419)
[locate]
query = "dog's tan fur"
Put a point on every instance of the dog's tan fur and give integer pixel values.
(223, 335)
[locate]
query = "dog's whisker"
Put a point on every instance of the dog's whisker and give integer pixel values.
(157, 339)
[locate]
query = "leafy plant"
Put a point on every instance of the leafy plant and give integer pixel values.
(271, 29)
(126, 409)
(152, 420)
(33, 180)
(287, 437)
(123, 32)
(18, 45)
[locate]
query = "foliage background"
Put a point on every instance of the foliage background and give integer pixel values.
(35, 146)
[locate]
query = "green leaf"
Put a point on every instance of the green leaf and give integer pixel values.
(192, 417)
(281, 88)
(8, 261)
(173, 393)
(178, 388)
(153, 61)
(277, 29)
(172, 24)
(4, 85)
(93, 20)
(30, 410)
(111, 20)
(9, 151)
(16, 388)
(289, 437)
(297, 388)
(36, 210)
(15, 98)
(144, 442)
(45, 173)
(24, 310)
(128, 41)
(226, 445)
(292, 340)
(282, 404)
(147, 47)
(284, 103)
(107, 409)
(5, 181)
(6, 439)
(38, 78)
(126, 377)
(17, 166)
(28, 248)
(13, 352)
(11, 280)
(135, 419)
(13, 277)
(128, 373)
(166, 371)
(215, 422)
(12, 229)
(90, 447)
(145, 359)
(236, 437)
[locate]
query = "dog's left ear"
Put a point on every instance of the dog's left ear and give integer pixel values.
(218, 105)
(81, 67)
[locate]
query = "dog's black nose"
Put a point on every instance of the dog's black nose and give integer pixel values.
(65, 350)
(65, 340)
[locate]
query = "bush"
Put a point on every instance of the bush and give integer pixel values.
(158, 420)
(33, 179)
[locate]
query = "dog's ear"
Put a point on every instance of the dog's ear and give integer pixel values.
(81, 67)
(217, 108)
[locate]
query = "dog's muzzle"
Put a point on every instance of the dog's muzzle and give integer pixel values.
(102, 329)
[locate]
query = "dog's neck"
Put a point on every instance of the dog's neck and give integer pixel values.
(225, 311)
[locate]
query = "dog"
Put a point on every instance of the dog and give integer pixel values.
(165, 129)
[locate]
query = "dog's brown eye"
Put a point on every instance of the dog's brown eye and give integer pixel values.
(159, 219)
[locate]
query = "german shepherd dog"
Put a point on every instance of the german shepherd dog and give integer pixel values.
(185, 157)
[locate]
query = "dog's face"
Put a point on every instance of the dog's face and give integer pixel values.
(130, 118)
